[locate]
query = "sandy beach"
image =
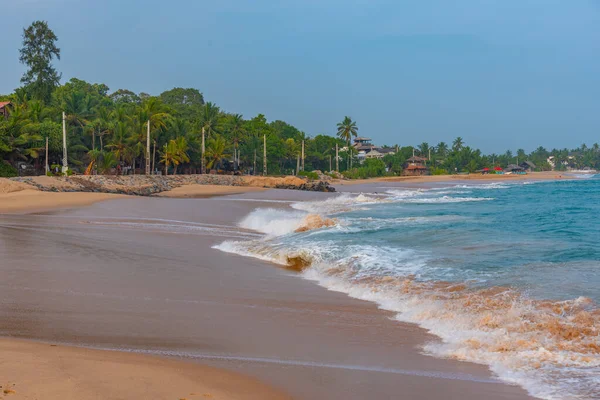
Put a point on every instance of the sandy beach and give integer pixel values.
(55, 372)
(139, 275)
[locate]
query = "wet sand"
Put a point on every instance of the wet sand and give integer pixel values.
(140, 275)
(204, 191)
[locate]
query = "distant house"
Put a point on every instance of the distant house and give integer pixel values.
(528, 166)
(514, 169)
(363, 144)
(416, 166)
(365, 149)
(4, 106)
(374, 153)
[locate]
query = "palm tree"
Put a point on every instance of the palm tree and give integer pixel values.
(155, 114)
(458, 144)
(216, 151)
(345, 130)
(209, 122)
(107, 162)
(120, 140)
(174, 153)
(442, 149)
(237, 131)
(180, 152)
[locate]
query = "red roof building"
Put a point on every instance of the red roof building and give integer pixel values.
(4, 108)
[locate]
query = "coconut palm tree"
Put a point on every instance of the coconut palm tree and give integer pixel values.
(155, 115)
(442, 149)
(237, 132)
(345, 130)
(458, 144)
(216, 149)
(209, 125)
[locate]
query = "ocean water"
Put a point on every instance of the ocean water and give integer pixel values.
(505, 274)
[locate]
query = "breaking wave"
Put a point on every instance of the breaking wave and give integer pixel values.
(549, 347)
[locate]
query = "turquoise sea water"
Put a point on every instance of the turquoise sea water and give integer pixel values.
(505, 274)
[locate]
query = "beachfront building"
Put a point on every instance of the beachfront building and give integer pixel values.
(514, 169)
(528, 166)
(4, 105)
(363, 144)
(366, 149)
(416, 166)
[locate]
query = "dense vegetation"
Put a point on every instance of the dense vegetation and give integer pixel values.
(106, 132)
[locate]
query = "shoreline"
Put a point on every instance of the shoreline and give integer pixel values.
(532, 176)
(272, 306)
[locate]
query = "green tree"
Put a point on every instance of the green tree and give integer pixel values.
(39, 48)
(209, 125)
(216, 151)
(345, 130)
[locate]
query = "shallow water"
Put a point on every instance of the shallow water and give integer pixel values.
(507, 274)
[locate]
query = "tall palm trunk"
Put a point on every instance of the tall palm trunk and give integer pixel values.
(203, 163)
(349, 156)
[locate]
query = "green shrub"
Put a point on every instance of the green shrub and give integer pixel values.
(309, 174)
(438, 171)
(7, 170)
(371, 168)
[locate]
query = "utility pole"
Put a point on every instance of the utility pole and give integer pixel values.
(303, 155)
(203, 163)
(337, 159)
(148, 149)
(298, 164)
(264, 155)
(154, 159)
(47, 165)
(65, 166)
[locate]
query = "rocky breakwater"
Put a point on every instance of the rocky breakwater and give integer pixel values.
(144, 185)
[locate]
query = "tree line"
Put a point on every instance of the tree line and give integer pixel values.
(107, 132)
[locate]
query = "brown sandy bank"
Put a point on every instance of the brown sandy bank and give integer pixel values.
(533, 176)
(31, 370)
(32, 200)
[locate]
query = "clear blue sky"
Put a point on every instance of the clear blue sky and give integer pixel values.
(502, 74)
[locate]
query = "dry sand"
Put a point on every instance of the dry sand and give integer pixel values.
(32, 200)
(30, 370)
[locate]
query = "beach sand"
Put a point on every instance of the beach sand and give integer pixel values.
(32, 370)
(139, 275)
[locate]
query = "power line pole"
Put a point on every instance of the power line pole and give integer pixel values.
(303, 155)
(298, 164)
(337, 159)
(203, 163)
(65, 166)
(148, 149)
(47, 165)
(154, 159)
(265, 155)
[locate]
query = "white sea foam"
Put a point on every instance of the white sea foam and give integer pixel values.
(273, 222)
(341, 203)
(510, 334)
